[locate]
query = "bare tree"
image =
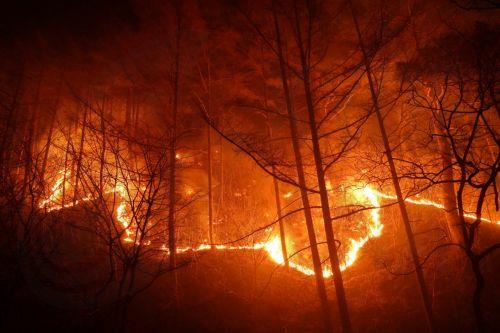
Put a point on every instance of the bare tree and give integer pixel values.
(374, 92)
(463, 109)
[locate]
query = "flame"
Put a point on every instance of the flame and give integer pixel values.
(427, 202)
(54, 202)
(328, 185)
(123, 217)
(55, 193)
(188, 190)
(287, 195)
(273, 249)
(273, 246)
(366, 195)
(375, 226)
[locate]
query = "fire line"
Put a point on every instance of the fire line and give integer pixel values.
(366, 194)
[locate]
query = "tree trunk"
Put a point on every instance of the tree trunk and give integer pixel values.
(49, 137)
(318, 272)
(277, 200)
(129, 112)
(172, 191)
(220, 208)
(325, 207)
(478, 292)
(280, 221)
(103, 148)
(47, 145)
(69, 144)
(29, 144)
(209, 175)
(28, 153)
(448, 192)
(173, 144)
(80, 156)
(136, 115)
(426, 301)
(447, 188)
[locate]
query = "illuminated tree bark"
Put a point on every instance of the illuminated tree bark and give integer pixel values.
(209, 175)
(220, 211)
(80, 155)
(69, 145)
(49, 141)
(277, 201)
(103, 146)
(468, 165)
(280, 221)
(318, 272)
(426, 301)
(320, 173)
(448, 188)
(173, 141)
(30, 142)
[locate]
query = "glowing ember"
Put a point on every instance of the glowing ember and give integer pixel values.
(329, 186)
(427, 202)
(273, 249)
(122, 216)
(366, 195)
(188, 190)
(55, 194)
(54, 203)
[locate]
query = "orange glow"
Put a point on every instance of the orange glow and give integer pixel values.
(366, 195)
(329, 186)
(54, 202)
(273, 249)
(55, 194)
(427, 202)
(188, 190)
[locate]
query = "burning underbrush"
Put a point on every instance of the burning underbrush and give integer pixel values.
(97, 257)
(76, 284)
(123, 211)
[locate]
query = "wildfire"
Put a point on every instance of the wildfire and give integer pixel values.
(55, 194)
(365, 195)
(273, 249)
(122, 215)
(375, 226)
(427, 202)
(188, 190)
(55, 202)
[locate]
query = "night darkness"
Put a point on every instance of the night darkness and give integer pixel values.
(249, 166)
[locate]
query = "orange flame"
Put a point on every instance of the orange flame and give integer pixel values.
(427, 202)
(365, 195)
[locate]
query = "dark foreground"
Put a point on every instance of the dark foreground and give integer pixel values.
(243, 291)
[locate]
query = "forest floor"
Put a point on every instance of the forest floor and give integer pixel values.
(244, 291)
